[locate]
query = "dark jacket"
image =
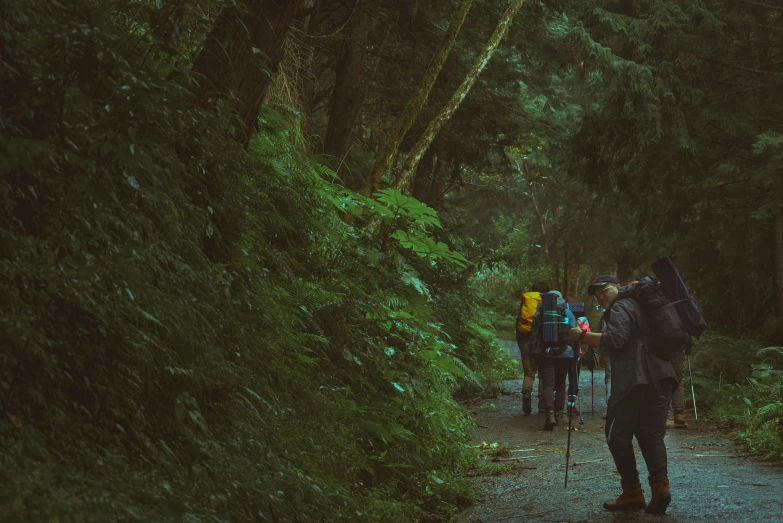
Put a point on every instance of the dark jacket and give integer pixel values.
(623, 342)
(535, 333)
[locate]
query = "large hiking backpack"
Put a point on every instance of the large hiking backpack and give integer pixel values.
(578, 308)
(554, 324)
(671, 331)
(528, 304)
(678, 295)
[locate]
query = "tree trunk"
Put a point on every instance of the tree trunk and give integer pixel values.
(777, 280)
(541, 226)
(403, 179)
(439, 179)
(567, 268)
(239, 55)
(576, 282)
(309, 26)
(417, 100)
(625, 265)
(347, 94)
(424, 175)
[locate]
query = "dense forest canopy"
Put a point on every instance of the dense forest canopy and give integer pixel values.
(254, 252)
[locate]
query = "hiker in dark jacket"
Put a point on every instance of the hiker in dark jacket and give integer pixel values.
(642, 386)
(553, 366)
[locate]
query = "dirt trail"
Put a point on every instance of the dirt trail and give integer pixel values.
(711, 478)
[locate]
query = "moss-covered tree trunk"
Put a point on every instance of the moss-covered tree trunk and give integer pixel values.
(239, 55)
(402, 181)
(347, 94)
(417, 101)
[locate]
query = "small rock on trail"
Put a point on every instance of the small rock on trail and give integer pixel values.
(711, 478)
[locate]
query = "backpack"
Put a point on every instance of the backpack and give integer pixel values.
(578, 308)
(528, 303)
(677, 293)
(668, 337)
(554, 324)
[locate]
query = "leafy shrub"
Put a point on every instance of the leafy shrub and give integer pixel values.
(196, 331)
(739, 382)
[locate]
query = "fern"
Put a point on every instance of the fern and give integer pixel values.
(771, 413)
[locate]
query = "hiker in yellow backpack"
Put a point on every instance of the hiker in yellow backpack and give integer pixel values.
(528, 304)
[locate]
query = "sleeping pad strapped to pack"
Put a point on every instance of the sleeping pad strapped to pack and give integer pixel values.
(578, 308)
(554, 321)
(677, 293)
(674, 317)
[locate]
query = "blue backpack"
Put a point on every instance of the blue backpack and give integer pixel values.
(554, 324)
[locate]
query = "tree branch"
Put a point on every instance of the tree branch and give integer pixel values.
(759, 4)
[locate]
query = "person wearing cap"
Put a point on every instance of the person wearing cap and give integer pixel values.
(553, 364)
(642, 386)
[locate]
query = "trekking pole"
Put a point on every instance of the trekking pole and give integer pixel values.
(579, 393)
(592, 393)
(693, 392)
(571, 402)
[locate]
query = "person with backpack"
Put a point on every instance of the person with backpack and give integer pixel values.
(528, 304)
(678, 396)
(606, 364)
(554, 353)
(642, 385)
(678, 364)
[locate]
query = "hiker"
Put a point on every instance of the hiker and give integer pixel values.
(528, 304)
(573, 375)
(606, 364)
(678, 396)
(642, 386)
(554, 361)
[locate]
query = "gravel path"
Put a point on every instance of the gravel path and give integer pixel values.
(712, 479)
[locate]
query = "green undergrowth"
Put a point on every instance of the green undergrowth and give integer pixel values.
(739, 383)
(192, 331)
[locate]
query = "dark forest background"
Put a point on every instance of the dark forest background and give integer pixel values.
(253, 254)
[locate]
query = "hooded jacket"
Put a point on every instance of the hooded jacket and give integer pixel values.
(623, 342)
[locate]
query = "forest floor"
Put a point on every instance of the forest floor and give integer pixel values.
(712, 478)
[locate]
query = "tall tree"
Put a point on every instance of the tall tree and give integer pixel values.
(777, 279)
(348, 88)
(240, 53)
(402, 181)
(417, 101)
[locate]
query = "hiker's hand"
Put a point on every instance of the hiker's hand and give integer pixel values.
(602, 361)
(575, 334)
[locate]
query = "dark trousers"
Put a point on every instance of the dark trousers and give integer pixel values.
(529, 368)
(573, 377)
(641, 413)
(553, 372)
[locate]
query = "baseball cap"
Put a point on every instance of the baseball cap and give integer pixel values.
(601, 281)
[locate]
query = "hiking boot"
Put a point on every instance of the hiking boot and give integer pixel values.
(574, 410)
(549, 423)
(559, 418)
(679, 421)
(527, 401)
(661, 497)
(632, 498)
